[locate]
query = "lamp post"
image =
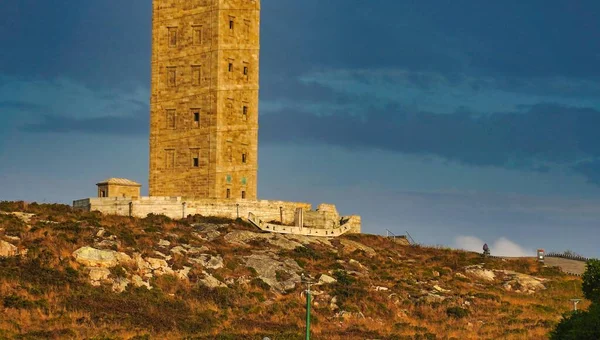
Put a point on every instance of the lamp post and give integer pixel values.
(308, 283)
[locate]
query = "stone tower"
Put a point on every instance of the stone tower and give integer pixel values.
(204, 98)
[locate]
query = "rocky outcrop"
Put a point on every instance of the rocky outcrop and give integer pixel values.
(511, 280)
(211, 282)
(7, 249)
(243, 237)
(208, 261)
(98, 275)
(92, 257)
(350, 246)
(480, 273)
(270, 269)
(521, 283)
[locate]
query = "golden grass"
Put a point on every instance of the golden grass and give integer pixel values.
(53, 299)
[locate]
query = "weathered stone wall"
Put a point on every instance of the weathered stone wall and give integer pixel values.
(115, 190)
(174, 207)
(264, 211)
(204, 98)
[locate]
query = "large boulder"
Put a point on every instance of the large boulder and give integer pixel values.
(7, 249)
(92, 257)
(270, 269)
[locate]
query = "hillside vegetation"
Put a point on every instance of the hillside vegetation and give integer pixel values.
(72, 274)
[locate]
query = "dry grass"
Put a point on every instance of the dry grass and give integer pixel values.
(45, 294)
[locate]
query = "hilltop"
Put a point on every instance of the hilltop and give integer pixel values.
(73, 274)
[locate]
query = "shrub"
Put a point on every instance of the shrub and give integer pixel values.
(457, 312)
(17, 302)
(306, 252)
(12, 225)
(258, 282)
(591, 281)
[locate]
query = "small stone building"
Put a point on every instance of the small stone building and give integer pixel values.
(119, 187)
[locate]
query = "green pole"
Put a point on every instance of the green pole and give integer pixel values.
(308, 314)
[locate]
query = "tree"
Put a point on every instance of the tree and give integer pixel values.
(583, 325)
(591, 281)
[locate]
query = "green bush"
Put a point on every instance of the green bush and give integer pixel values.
(591, 281)
(583, 325)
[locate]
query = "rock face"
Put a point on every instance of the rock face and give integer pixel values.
(350, 246)
(92, 257)
(521, 283)
(512, 281)
(208, 261)
(7, 249)
(211, 282)
(269, 268)
(480, 273)
(243, 237)
(97, 275)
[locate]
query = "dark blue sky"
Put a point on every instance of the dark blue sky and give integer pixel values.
(458, 121)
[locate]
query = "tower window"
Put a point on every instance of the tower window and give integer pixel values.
(196, 75)
(196, 118)
(243, 195)
(170, 159)
(231, 23)
(228, 193)
(172, 36)
(245, 70)
(171, 119)
(196, 162)
(243, 158)
(172, 76)
(230, 67)
(245, 112)
(198, 35)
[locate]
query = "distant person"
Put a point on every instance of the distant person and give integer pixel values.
(486, 250)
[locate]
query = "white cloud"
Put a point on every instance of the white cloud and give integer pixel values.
(500, 247)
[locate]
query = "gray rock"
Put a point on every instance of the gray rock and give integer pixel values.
(243, 237)
(208, 261)
(267, 267)
(326, 279)
(211, 282)
(91, 257)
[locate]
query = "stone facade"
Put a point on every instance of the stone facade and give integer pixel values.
(204, 98)
(273, 216)
(118, 187)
